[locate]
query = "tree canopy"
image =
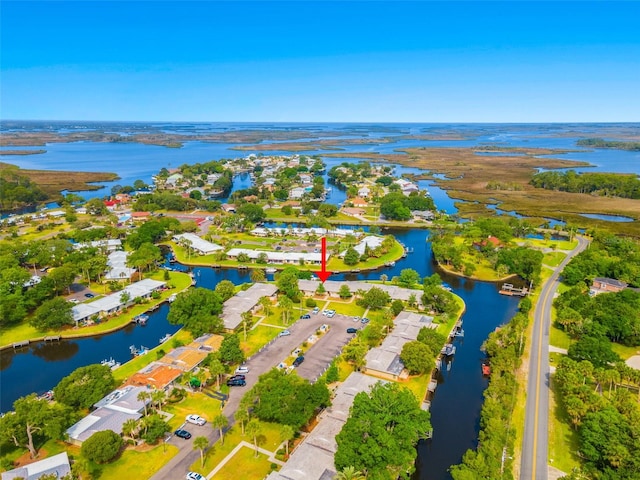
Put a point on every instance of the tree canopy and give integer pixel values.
(85, 386)
(102, 447)
(287, 399)
(381, 433)
(197, 309)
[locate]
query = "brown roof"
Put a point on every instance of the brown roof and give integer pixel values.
(159, 376)
(353, 211)
(184, 358)
(358, 201)
(140, 214)
(207, 342)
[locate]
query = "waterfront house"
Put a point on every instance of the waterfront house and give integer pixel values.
(245, 301)
(358, 202)
(203, 247)
(296, 193)
(56, 465)
(291, 258)
(607, 285)
(364, 192)
(384, 361)
(228, 207)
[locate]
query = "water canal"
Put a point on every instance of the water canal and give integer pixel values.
(456, 404)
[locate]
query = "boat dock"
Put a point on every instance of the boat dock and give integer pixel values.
(53, 338)
(140, 319)
(24, 343)
(509, 289)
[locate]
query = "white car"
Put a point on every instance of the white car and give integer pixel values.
(196, 419)
(242, 370)
(195, 476)
(284, 333)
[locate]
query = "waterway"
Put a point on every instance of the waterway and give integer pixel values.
(455, 407)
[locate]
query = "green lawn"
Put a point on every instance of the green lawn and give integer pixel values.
(197, 403)
(558, 244)
(553, 259)
(25, 331)
(245, 460)
(351, 308)
(138, 464)
(624, 351)
(269, 438)
(257, 338)
(559, 338)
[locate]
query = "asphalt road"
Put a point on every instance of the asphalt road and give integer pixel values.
(533, 464)
(317, 359)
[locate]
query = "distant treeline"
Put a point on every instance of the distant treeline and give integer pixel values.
(17, 190)
(605, 184)
(601, 143)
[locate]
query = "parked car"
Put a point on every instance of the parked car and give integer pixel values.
(284, 333)
(331, 314)
(236, 382)
(306, 316)
(315, 311)
(352, 330)
(298, 361)
(196, 419)
(364, 320)
(237, 377)
(74, 300)
(89, 295)
(195, 476)
(356, 319)
(242, 370)
(182, 434)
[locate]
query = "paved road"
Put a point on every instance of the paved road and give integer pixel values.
(533, 464)
(316, 360)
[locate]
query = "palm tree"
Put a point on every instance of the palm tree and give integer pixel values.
(246, 319)
(130, 429)
(241, 416)
(201, 443)
(287, 307)
(143, 397)
(384, 278)
(254, 429)
(350, 473)
(220, 422)
(265, 302)
(286, 434)
(158, 397)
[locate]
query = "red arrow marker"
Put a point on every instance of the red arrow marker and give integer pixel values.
(323, 274)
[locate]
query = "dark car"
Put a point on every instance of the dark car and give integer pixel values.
(306, 316)
(236, 382)
(182, 434)
(298, 361)
(352, 330)
(89, 295)
(237, 377)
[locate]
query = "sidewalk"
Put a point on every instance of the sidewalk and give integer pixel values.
(270, 455)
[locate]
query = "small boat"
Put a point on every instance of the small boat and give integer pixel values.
(172, 260)
(111, 363)
(355, 270)
(165, 338)
(270, 270)
(448, 350)
(390, 264)
(172, 298)
(140, 319)
(458, 332)
(486, 369)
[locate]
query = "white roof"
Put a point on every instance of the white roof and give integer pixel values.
(370, 241)
(83, 310)
(117, 261)
(56, 464)
(198, 243)
(278, 257)
(336, 232)
(333, 286)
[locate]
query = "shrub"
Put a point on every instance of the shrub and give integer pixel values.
(102, 447)
(310, 302)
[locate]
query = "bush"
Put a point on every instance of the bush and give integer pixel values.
(102, 447)
(311, 303)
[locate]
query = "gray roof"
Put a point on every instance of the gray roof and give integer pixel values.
(99, 420)
(124, 399)
(313, 459)
(244, 301)
(56, 464)
(278, 257)
(610, 281)
(386, 357)
(333, 286)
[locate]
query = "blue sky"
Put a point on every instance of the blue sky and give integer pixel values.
(321, 61)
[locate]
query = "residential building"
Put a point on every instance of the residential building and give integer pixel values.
(603, 284)
(204, 247)
(57, 465)
(293, 258)
(245, 301)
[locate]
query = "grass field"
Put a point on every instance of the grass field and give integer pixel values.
(344, 308)
(197, 403)
(553, 259)
(144, 463)
(559, 338)
(269, 438)
(245, 460)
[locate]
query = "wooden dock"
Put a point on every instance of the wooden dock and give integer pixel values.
(24, 343)
(53, 338)
(509, 289)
